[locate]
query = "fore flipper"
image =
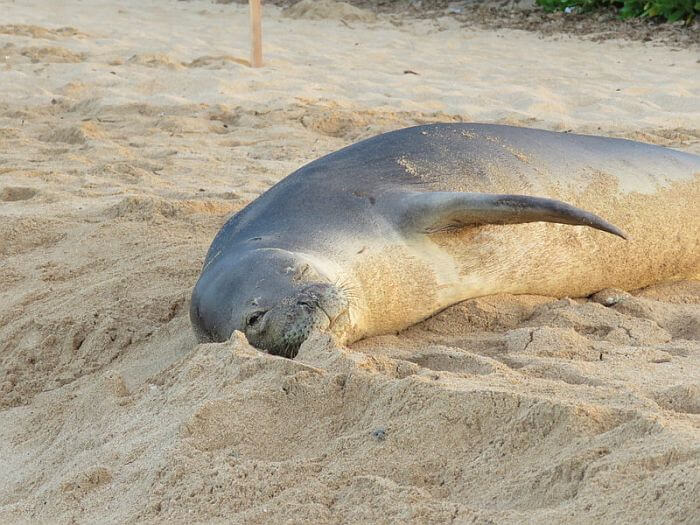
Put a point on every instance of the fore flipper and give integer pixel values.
(444, 211)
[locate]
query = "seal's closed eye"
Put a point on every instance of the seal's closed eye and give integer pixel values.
(255, 318)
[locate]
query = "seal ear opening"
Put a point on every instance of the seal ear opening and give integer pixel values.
(443, 211)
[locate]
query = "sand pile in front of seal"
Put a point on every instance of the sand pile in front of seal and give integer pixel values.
(130, 131)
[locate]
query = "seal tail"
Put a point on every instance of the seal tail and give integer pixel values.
(444, 211)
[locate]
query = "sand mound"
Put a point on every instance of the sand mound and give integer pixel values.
(34, 31)
(155, 60)
(217, 62)
(77, 134)
(51, 55)
(115, 175)
(251, 437)
(149, 208)
(328, 10)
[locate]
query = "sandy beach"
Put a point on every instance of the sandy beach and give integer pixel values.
(130, 131)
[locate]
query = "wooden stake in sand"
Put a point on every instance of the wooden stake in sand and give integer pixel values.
(255, 34)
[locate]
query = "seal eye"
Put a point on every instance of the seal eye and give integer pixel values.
(254, 318)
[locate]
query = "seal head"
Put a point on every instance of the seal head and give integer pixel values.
(277, 312)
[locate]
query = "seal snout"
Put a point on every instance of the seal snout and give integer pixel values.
(283, 328)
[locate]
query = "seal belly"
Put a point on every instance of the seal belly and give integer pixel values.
(395, 288)
(404, 283)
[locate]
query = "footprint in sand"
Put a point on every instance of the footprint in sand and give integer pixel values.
(444, 359)
(682, 398)
(17, 193)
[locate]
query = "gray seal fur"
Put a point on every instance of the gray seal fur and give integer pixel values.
(387, 232)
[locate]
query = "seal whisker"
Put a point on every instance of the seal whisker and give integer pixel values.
(351, 292)
(346, 285)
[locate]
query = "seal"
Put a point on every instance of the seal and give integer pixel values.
(389, 231)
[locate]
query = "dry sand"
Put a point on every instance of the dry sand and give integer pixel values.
(130, 131)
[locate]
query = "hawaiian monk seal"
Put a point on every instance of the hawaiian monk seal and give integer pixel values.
(389, 231)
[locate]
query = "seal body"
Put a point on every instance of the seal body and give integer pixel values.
(386, 232)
